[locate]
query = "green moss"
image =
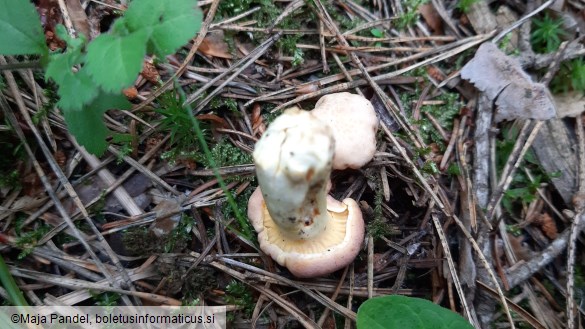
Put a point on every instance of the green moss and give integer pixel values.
(191, 285)
(223, 102)
(430, 168)
(444, 114)
(265, 16)
(410, 15)
(522, 189)
(199, 281)
(10, 179)
(139, 241)
(465, 5)
(226, 154)
(298, 57)
(571, 76)
(27, 241)
(105, 298)
(379, 226)
(242, 206)
(454, 169)
(237, 293)
(180, 236)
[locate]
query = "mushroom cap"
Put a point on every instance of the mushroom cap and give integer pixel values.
(354, 123)
(334, 249)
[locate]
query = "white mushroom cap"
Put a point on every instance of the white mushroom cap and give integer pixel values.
(333, 249)
(354, 123)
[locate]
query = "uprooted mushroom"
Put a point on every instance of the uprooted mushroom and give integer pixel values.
(298, 224)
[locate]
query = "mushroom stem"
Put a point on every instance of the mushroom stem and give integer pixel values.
(293, 163)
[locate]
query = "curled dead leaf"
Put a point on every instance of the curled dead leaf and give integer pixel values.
(431, 17)
(130, 93)
(214, 45)
(570, 104)
(547, 225)
(306, 89)
(220, 122)
(60, 158)
(258, 126)
(502, 79)
(149, 72)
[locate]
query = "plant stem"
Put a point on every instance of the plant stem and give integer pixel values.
(243, 223)
(14, 293)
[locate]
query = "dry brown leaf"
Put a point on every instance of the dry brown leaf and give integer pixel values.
(547, 225)
(214, 45)
(258, 126)
(78, 17)
(570, 104)
(167, 216)
(520, 248)
(149, 72)
(502, 79)
(431, 17)
(60, 158)
(213, 118)
(435, 73)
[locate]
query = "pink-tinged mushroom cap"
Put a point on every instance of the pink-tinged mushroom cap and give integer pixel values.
(333, 249)
(354, 123)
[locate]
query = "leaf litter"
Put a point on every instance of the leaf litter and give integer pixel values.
(419, 188)
(505, 83)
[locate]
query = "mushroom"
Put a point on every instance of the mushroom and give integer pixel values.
(298, 224)
(354, 123)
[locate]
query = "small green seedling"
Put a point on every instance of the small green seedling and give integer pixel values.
(410, 15)
(547, 34)
(465, 5)
(90, 77)
(399, 312)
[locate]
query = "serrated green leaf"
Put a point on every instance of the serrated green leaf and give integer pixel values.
(72, 43)
(60, 65)
(20, 29)
(165, 37)
(115, 61)
(398, 312)
(144, 14)
(88, 125)
(76, 89)
(161, 19)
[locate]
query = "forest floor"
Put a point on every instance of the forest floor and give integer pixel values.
(473, 198)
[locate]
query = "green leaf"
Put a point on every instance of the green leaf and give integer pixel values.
(122, 138)
(144, 14)
(88, 125)
(60, 65)
(377, 33)
(115, 61)
(400, 312)
(161, 19)
(20, 29)
(75, 88)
